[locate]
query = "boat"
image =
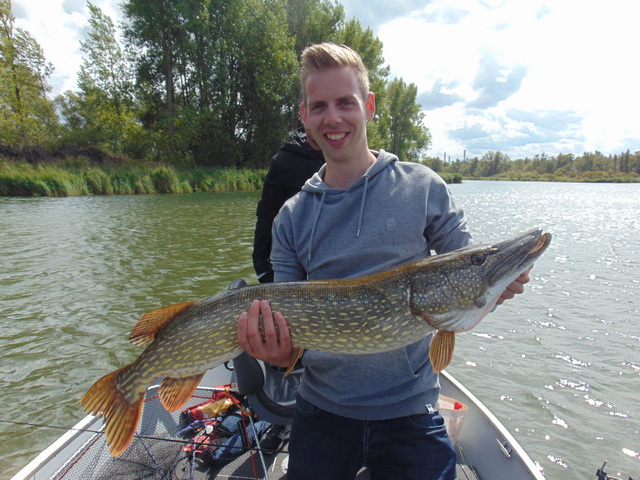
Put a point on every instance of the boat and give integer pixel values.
(485, 448)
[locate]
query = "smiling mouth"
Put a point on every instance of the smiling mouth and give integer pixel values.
(336, 136)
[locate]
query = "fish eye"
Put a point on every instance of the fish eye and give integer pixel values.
(477, 259)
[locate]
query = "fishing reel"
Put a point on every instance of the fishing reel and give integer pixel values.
(602, 475)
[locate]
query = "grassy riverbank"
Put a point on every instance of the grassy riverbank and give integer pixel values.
(81, 177)
(451, 177)
(75, 177)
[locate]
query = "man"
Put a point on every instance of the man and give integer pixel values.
(361, 213)
(296, 161)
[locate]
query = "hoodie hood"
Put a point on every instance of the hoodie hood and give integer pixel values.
(316, 183)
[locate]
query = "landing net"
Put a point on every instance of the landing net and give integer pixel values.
(166, 448)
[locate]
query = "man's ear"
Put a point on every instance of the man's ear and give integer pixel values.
(370, 106)
(304, 114)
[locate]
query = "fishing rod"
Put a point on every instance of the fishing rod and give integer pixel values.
(144, 437)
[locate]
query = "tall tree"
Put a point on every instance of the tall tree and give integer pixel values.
(313, 21)
(266, 73)
(27, 116)
(226, 77)
(407, 136)
(102, 112)
(156, 31)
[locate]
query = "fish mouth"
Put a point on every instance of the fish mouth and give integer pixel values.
(519, 253)
(544, 239)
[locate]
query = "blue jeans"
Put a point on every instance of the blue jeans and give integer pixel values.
(325, 446)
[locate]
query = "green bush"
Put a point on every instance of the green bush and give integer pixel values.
(165, 180)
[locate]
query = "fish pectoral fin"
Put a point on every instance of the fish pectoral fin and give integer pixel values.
(441, 350)
(174, 392)
(296, 354)
(121, 417)
(145, 330)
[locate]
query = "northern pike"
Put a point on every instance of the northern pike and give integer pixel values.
(449, 293)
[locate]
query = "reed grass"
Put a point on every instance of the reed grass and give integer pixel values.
(77, 176)
(451, 177)
(80, 177)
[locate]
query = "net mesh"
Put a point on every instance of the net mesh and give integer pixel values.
(157, 452)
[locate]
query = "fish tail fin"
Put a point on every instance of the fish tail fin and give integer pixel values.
(441, 351)
(121, 417)
(174, 392)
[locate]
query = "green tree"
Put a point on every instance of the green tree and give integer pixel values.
(223, 68)
(102, 113)
(313, 21)
(492, 163)
(435, 163)
(27, 116)
(368, 46)
(259, 73)
(156, 32)
(407, 136)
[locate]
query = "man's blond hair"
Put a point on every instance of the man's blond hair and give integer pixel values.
(322, 56)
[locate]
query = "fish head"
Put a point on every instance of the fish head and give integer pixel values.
(455, 291)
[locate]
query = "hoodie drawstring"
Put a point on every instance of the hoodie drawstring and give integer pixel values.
(364, 197)
(315, 224)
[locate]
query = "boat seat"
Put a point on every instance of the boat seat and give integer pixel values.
(271, 395)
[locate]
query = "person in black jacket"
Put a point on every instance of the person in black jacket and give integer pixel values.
(296, 161)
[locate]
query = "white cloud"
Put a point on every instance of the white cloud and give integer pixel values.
(568, 63)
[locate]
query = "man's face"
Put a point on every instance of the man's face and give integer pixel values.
(335, 114)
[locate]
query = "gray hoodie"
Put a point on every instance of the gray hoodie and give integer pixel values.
(395, 213)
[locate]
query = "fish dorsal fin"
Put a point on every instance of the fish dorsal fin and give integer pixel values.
(145, 330)
(441, 350)
(174, 392)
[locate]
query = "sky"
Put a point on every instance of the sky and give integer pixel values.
(524, 78)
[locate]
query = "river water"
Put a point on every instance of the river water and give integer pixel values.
(559, 366)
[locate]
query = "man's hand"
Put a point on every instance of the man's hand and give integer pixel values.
(516, 287)
(276, 347)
